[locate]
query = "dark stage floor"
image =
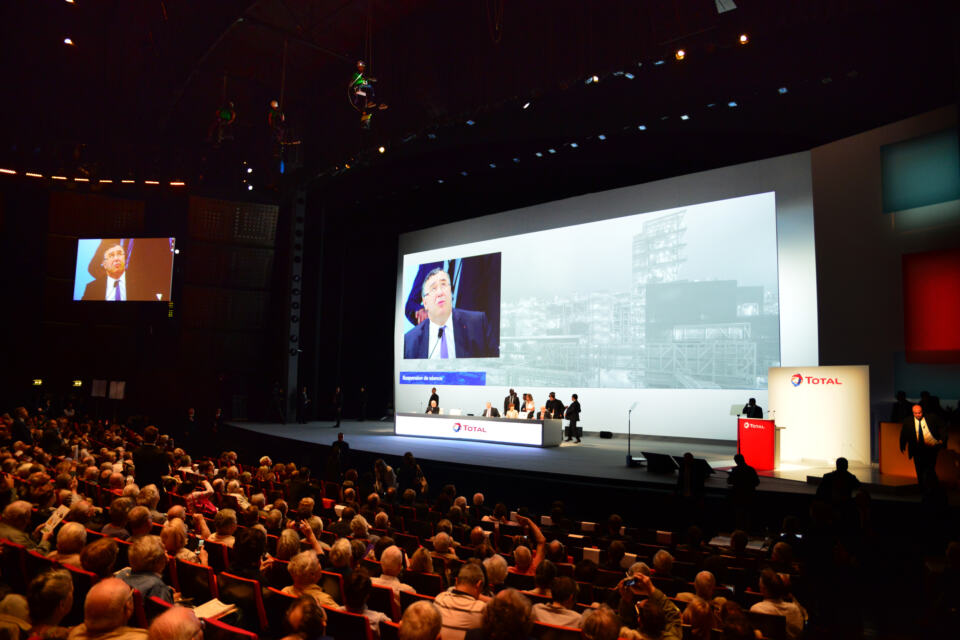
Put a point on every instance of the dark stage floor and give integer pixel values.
(595, 459)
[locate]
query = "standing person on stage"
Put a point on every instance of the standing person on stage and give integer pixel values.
(554, 406)
(303, 402)
(573, 415)
(433, 398)
(338, 404)
(752, 410)
(923, 435)
(511, 399)
(490, 412)
(529, 407)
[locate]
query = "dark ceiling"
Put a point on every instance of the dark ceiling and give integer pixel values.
(137, 92)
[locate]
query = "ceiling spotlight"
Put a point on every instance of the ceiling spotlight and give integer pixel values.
(629, 76)
(591, 80)
(782, 90)
(684, 117)
(658, 63)
(744, 39)
(539, 154)
(732, 104)
(68, 41)
(176, 252)
(601, 137)
(641, 127)
(431, 136)
(574, 145)
(680, 54)
(439, 180)
(470, 123)
(249, 187)
(526, 105)
(516, 161)
(551, 150)
(493, 165)
(382, 149)
(249, 169)
(463, 173)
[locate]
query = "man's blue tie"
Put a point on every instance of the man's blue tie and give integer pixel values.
(444, 353)
(116, 288)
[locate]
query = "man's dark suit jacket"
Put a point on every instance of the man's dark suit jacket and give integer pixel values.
(493, 412)
(97, 290)
(472, 334)
(150, 464)
(908, 432)
(573, 411)
(514, 400)
(556, 407)
(755, 412)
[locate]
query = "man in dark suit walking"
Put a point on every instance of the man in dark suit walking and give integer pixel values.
(573, 415)
(923, 436)
(150, 463)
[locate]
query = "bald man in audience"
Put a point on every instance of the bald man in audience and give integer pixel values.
(391, 564)
(176, 623)
(421, 621)
(106, 612)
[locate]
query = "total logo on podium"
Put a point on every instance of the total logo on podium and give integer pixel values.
(458, 427)
(797, 379)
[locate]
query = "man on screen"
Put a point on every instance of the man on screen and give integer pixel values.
(116, 283)
(449, 332)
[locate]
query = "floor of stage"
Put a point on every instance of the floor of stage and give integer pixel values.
(595, 458)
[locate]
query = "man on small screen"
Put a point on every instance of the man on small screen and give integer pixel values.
(116, 283)
(449, 332)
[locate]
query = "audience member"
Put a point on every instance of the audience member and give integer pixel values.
(176, 623)
(106, 612)
(49, 599)
(776, 601)
(71, 539)
(15, 520)
(506, 616)
(305, 571)
(560, 610)
(460, 606)
(306, 620)
(421, 621)
(356, 592)
(147, 560)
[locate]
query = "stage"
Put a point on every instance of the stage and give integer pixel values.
(593, 460)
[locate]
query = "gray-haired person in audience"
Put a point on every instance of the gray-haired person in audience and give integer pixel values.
(391, 564)
(147, 560)
(307, 620)
(421, 621)
(71, 539)
(305, 570)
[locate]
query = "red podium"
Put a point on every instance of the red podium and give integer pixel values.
(759, 443)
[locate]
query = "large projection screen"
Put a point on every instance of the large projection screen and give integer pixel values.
(672, 298)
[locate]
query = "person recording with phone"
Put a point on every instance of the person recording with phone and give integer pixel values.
(646, 609)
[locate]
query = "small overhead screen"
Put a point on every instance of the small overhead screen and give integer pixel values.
(124, 269)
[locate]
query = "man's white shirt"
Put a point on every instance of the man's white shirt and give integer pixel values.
(923, 430)
(111, 293)
(434, 347)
